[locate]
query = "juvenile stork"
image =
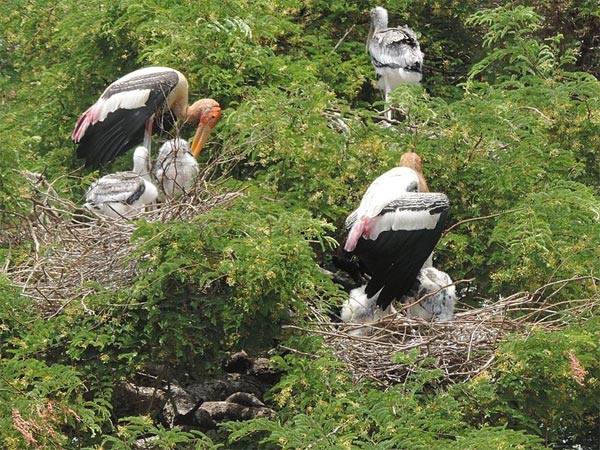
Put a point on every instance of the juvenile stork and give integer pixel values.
(125, 114)
(395, 54)
(123, 194)
(176, 169)
(360, 308)
(432, 297)
(393, 232)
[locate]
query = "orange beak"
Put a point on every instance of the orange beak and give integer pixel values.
(208, 120)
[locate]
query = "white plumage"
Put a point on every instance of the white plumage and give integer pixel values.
(439, 294)
(395, 54)
(380, 193)
(176, 169)
(123, 194)
(359, 308)
(393, 232)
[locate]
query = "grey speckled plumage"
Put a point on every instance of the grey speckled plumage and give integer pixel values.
(176, 169)
(122, 194)
(395, 53)
(440, 295)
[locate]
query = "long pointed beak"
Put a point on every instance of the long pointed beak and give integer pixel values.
(205, 127)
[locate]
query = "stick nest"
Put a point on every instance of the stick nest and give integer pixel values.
(390, 350)
(75, 251)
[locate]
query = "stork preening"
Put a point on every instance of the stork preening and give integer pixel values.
(393, 232)
(432, 297)
(395, 54)
(123, 194)
(130, 109)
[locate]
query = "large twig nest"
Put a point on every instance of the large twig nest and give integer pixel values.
(75, 252)
(393, 348)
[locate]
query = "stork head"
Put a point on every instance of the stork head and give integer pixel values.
(208, 113)
(413, 161)
(379, 18)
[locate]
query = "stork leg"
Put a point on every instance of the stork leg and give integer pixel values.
(388, 108)
(148, 134)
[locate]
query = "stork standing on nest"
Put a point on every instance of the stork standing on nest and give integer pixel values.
(123, 194)
(395, 54)
(127, 112)
(393, 232)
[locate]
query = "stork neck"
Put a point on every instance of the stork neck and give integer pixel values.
(141, 163)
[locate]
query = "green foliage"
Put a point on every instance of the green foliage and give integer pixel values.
(535, 245)
(514, 147)
(322, 408)
(131, 429)
(547, 384)
(228, 280)
(42, 405)
(509, 32)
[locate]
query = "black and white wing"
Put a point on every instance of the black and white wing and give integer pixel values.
(119, 187)
(394, 245)
(117, 121)
(120, 193)
(396, 48)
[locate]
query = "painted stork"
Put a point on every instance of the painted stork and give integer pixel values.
(123, 194)
(393, 232)
(395, 54)
(438, 294)
(127, 111)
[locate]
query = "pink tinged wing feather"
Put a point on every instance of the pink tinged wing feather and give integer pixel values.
(104, 106)
(360, 228)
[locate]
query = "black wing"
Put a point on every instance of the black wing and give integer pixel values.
(123, 128)
(394, 258)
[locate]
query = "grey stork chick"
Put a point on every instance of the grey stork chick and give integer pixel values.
(176, 169)
(132, 107)
(395, 54)
(439, 294)
(123, 194)
(393, 232)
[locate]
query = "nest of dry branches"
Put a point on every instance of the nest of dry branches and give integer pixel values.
(74, 251)
(462, 348)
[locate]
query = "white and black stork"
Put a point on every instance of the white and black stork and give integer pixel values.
(393, 232)
(395, 54)
(123, 194)
(132, 107)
